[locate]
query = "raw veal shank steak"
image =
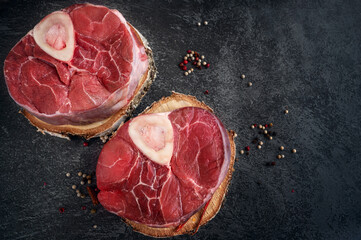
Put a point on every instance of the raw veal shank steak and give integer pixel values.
(77, 66)
(159, 169)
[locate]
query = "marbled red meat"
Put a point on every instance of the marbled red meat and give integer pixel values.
(78, 81)
(160, 193)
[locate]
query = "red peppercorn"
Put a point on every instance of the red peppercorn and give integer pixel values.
(61, 210)
(85, 144)
(96, 189)
(206, 92)
(197, 58)
(248, 148)
(255, 125)
(83, 207)
(194, 63)
(44, 183)
(181, 64)
(185, 61)
(189, 51)
(292, 190)
(184, 68)
(266, 126)
(199, 67)
(273, 163)
(207, 66)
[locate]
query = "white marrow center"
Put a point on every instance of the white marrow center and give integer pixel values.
(153, 136)
(55, 36)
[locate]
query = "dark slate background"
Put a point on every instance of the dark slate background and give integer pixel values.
(300, 55)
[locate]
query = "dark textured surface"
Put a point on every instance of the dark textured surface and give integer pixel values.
(300, 55)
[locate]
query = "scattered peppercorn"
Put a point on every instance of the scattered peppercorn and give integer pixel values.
(260, 126)
(199, 24)
(186, 73)
(78, 194)
(265, 131)
(189, 51)
(266, 126)
(247, 153)
(249, 84)
(259, 146)
(205, 23)
(293, 190)
(282, 148)
(206, 92)
(252, 126)
(95, 226)
(273, 163)
(247, 148)
(61, 210)
(84, 175)
(241, 152)
(67, 174)
(283, 156)
(73, 187)
(89, 181)
(83, 208)
(243, 76)
(279, 156)
(82, 182)
(261, 143)
(286, 111)
(271, 124)
(85, 144)
(270, 137)
(294, 150)
(80, 173)
(93, 211)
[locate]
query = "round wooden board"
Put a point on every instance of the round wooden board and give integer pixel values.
(166, 104)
